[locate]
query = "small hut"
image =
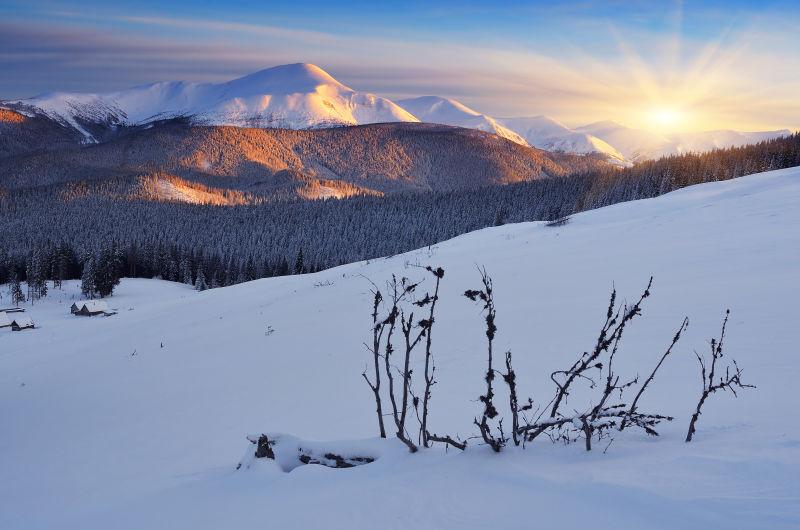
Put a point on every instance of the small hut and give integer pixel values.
(4, 320)
(89, 308)
(20, 322)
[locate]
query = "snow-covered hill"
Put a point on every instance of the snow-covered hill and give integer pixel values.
(547, 133)
(637, 144)
(138, 420)
(435, 109)
(294, 96)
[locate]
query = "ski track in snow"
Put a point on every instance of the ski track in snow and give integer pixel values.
(96, 437)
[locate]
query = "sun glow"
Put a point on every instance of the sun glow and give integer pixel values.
(665, 119)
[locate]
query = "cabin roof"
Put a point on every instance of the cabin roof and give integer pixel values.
(22, 321)
(93, 306)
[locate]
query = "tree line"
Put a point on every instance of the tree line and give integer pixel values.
(47, 235)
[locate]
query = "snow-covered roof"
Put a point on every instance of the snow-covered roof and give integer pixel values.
(93, 306)
(22, 321)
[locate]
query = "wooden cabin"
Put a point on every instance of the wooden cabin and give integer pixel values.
(89, 308)
(20, 322)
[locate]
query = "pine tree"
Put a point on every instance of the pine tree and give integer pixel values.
(186, 271)
(283, 268)
(106, 272)
(250, 270)
(55, 272)
(15, 290)
(500, 217)
(88, 278)
(36, 275)
(299, 266)
(200, 283)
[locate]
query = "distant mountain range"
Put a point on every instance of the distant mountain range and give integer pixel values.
(304, 96)
(223, 164)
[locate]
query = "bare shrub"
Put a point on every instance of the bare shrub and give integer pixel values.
(401, 300)
(610, 409)
(730, 381)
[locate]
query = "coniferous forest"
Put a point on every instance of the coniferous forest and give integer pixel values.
(46, 234)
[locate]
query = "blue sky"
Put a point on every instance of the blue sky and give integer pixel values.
(714, 64)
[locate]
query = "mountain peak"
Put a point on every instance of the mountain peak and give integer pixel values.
(437, 109)
(436, 104)
(602, 124)
(288, 78)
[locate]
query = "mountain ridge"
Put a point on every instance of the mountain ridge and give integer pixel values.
(371, 159)
(294, 96)
(437, 109)
(304, 96)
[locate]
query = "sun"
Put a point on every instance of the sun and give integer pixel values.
(666, 119)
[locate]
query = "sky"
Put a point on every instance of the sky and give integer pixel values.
(663, 65)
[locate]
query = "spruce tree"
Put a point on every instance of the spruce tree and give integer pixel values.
(15, 290)
(88, 278)
(283, 268)
(106, 272)
(186, 271)
(200, 283)
(36, 275)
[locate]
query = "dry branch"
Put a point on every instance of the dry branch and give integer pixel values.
(731, 381)
(675, 340)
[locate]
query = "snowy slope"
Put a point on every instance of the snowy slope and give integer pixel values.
(547, 133)
(445, 111)
(137, 420)
(293, 96)
(637, 144)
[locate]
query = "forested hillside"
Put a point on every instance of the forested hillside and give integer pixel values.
(274, 163)
(55, 228)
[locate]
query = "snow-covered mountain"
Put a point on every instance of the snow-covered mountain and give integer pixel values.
(547, 133)
(638, 144)
(138, 420)
(708, 140)
(634, 144)
(446, 111)
(294, 96)
(303, 96)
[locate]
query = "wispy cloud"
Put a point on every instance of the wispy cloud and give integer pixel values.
(598, 68)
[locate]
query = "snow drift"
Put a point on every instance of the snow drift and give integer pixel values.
(138, 420)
